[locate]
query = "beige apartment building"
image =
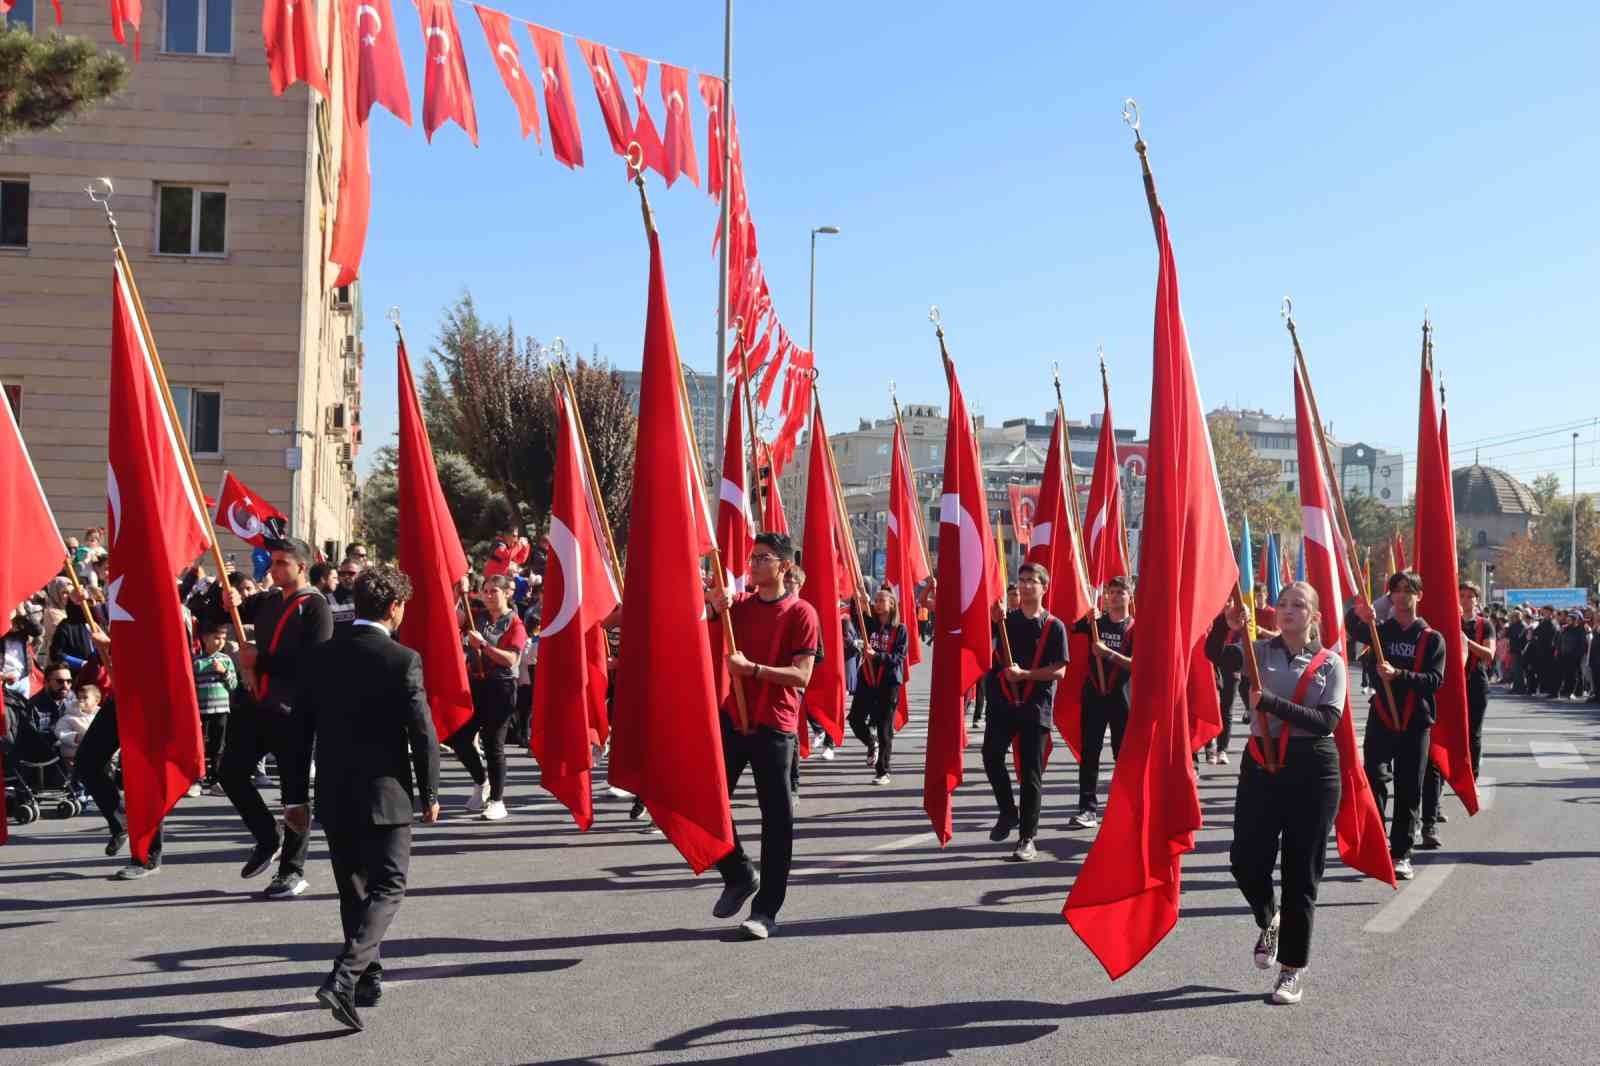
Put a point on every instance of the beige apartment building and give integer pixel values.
(225, 202)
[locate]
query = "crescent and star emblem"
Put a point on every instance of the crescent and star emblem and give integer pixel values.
(377, 23)
(951, 512)
(250, 528)
(444, 37)
(600, 72)
(551, 82)
(115, 610)
(564, 546)
(511, 57)
(675, 98)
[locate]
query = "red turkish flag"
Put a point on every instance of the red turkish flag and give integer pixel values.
(1125, 899)
(609, 94)
(31, 552)
(156, 528)
(569, 688)
(354, 208)
(565, 139)
(666, 740)
(244, 513)
(1363, 843)
(508, 61)
(969, 585)
(735, 537)
(1435, 551)
(827, 582)
(678, 144)
(430, 554)
(123, 13)
(1056, 542)
(711, 93)
(289, 30)
(772, 516)
(380, 70)
(644, 127)
(906, 564)
(1105, 536)
(446, 89)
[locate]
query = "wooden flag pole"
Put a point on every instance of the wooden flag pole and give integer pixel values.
(571, 394)
(103, 198)
(1005, 579)
(1332, 482)
(1071, 486)
(719, 580)
(1252, 668)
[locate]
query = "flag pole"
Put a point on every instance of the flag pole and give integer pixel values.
(1252, 668)
(911, 478)
(101, 193)
(571, 394)
(750, 419)
(1077, 525)
(1338, 499)
(726, 163)
(635, 158)
(1005, 579)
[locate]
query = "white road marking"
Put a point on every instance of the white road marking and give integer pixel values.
(1557, 755)
(869, 855)
(1410, 900)
(1486, 793)
(203, 1032)
(1557, 732)
(1211, 1060)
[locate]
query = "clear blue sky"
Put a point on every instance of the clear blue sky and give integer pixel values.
(1367, 160)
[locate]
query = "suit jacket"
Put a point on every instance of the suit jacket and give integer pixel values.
(361, 697)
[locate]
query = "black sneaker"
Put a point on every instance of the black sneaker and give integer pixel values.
(1430, 839)
(261, 857)
(341, 1003)
(636, 810)
(1266, 952)
(369, 989)
(1003, 826)
(733, 897)
(118, 839)
(1442, 818)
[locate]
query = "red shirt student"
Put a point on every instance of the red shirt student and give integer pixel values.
(777, 635)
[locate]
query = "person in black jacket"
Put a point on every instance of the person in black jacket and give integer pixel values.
(881, 674)
(1105, 695)
(1395, 747)
(360, 699)
(290, 619)
(1020, 705)
(1572, 648)
(1542, 676)
(1517, 645)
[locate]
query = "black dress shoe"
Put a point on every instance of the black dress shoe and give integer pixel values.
(118, 839)
(1003, 826)
(733, 897)
(338, 1001)
(369, 989)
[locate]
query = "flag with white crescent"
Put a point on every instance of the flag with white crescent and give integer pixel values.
(711, 93)
(735, 532)
(608, 93)
(508, 61)
(678, 142)
(569, 688)
(905, 555)
(644, 127)
(289, 32)
(566, 142)
(1104, 537)
(380, 69)
(446, 89)
(243, 512)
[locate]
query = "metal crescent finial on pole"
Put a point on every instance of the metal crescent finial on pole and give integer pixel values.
(1130, 116)
(100, 191)
(1287, 310)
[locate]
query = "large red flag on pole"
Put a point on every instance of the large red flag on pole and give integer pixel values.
(1363, 844)
(827, 582)
(446, 88)
(431, 556)
(969, 586)
(735, 535)
(32, 550)
(1057, 543)
(906, 553)
(1105, 538)
(1435, 551)
(157, 528)
(666, 741)
(1125, 899)
(289, 31)
(569, 688)
(242, 511)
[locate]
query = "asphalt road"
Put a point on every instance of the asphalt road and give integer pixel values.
(526, 941)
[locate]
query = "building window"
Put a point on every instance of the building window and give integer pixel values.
(200, 411)
(1483, 538)
(14, 214)
(199, 27)
(883, 449)
(14, 398)
(21, 14)
(193, 221)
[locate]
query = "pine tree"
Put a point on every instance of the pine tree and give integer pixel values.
(46, 80)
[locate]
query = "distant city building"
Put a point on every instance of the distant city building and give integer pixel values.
(1362, 469)
(1491, 508)
(702, 390)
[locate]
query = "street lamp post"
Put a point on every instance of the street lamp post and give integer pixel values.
(294, 433)
(1572, 565)
(811, 324)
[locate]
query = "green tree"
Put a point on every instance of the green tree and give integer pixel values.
(1555, 531)
(46, 80)
(1545, 488)
(1526, 562)
(479, 512)
(1248, 482)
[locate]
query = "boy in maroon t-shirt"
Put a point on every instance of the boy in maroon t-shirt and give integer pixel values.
(777, 634)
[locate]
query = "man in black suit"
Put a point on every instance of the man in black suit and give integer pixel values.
(364, 704)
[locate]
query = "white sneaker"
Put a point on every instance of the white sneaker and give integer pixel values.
(194, 790)
(1403, 870)
(494, 811)
(619, 793)
(881, 779)
(1287, 990)
(1267, 946)
(827, 753)
(480, 796)
(1222, 758)
(1083, 820)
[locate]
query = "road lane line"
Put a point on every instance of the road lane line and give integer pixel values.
(1557, 755)
(1486, 793)
(1396, 913)
(870, 855)
(1211, 1060)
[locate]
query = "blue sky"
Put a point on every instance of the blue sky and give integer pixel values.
(1366, 159)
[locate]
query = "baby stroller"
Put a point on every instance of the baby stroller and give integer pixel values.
(37, 778)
